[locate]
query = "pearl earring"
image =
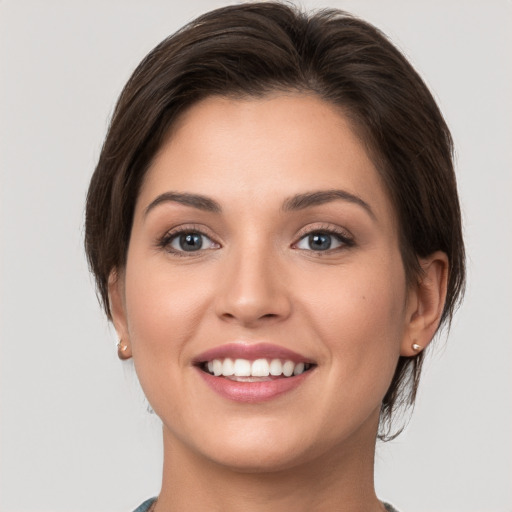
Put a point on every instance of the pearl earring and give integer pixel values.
(121, 351)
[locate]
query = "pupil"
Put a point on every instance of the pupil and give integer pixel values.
(191, 242)
(320, 241)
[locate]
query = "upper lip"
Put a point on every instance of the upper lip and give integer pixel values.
(251, 351)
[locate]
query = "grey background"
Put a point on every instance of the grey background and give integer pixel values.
(75, 434)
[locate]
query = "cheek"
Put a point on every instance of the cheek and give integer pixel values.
(164, 308)
(361, 296)
(360, 318)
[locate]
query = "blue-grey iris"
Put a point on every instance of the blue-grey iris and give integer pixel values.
(319, 241)
(191, 241)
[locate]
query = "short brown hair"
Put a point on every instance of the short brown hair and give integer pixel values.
(253, 49)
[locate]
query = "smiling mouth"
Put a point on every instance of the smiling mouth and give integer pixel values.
(258, 370)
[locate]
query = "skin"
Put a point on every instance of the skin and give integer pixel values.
(257, 279)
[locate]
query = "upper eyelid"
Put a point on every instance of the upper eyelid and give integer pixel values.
(189, 228)
(324, 228)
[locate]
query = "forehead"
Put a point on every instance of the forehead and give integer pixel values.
(247, 150)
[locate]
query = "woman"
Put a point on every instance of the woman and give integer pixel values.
(274, 229)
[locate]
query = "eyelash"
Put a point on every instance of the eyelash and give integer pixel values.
(170, 236)
(341, 235)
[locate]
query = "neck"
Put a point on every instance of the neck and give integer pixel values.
(340, 480)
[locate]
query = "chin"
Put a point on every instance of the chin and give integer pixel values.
(278, 448)
(258, 459)
(249, 447)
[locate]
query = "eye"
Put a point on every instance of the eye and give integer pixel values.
(188, 241)
(322, 241)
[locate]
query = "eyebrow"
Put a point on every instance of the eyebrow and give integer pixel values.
(309, 199)
(294, 203)
(195, 200)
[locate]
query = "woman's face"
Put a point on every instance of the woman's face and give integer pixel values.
(263, 232)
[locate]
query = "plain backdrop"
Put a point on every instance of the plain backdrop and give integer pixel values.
(75, 431)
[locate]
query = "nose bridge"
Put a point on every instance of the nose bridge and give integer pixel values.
(253, 287)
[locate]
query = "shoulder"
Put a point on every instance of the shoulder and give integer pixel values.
(144, 507)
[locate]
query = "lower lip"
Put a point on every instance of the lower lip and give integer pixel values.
(252, 391)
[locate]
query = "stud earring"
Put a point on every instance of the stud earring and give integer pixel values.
(416, 347)
(121, 351)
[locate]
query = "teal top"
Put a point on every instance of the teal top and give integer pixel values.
(144, 507)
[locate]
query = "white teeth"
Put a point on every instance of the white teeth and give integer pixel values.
(217, 367)
(288, 367)
(242, 368)
(276, 367)
(299, 368)
(228, 367)
(258, 368)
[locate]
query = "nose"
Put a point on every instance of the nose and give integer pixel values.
(254, 290)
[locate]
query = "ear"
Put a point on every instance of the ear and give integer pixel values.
(117, 305)
(426, 303)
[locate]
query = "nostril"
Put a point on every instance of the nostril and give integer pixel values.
(250, 305)
(246, 315)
